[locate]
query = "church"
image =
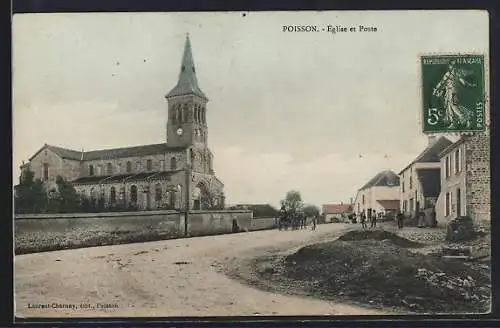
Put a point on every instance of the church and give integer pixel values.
(169, 175)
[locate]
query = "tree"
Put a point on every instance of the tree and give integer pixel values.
(212, 200)
(259, 210)
(30, 194)
(293, 201)
(311, 210)
(68, 199)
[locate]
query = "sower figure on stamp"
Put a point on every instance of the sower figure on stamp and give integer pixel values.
(447, 90)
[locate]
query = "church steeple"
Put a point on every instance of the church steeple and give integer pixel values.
(187, 82)
(186, 123)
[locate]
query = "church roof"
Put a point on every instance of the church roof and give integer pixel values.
(111, 153)
(431, 153)
(127, 176)
(385, 178)
(187, 82)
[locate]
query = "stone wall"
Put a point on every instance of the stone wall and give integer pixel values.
(478, 177)
(46, 232)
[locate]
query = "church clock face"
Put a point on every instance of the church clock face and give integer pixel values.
(179, 131)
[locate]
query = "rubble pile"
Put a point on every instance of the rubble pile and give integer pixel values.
(424, 235)
(465, 286)
(382, 235)
(380, 273)
(460, 229)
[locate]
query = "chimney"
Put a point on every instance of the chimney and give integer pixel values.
(81, 158)
(431, 138)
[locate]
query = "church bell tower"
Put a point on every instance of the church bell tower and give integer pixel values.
(187, 124)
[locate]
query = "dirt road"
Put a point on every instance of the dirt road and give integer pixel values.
(167, 278)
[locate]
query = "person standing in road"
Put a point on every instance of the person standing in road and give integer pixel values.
(373, 220)
(400, 218)
(363, 220)
(314, 220)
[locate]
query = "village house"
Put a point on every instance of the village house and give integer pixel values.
(420, 181)
(465, 180)
(333, 212)
(380, 193)
(168, 175)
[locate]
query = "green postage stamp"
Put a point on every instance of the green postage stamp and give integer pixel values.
(453, 92)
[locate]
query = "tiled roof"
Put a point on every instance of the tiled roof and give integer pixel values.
(336, 208)
(430, 180)
(385, 178)
(124, 177)
(452, 146)
(431, 153)
(130, 151)
(143, 150)
(187, 82)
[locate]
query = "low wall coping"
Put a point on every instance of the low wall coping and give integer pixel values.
(117, 214)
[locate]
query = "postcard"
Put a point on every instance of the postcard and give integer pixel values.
(251, 164)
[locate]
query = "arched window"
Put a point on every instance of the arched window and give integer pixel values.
(158, 192)
(102, 198)
(173, 163)
(149, 165)
(191, 156)
(203, 117)
(93, 195)
(178, 114)
(129, 167)
(171, 199)
(91, 169)
(184, 113)
(173, 114)
(162, 165)
(112, 196)
(122, 194)
(133, 194)
(45, 171)
(110, 168)
(138, 166)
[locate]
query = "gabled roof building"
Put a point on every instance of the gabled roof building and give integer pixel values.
(420, 183)
(380, 193)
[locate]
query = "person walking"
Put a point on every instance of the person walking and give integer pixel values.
(373, 220)
(314, 219)
(400, 218)
(363, 220)
(420, 218)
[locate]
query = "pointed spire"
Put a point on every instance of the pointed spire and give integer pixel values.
(187, 82)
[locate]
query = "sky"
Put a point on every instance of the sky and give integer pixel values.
(317, 112)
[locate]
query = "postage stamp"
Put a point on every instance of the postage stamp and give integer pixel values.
(228, 164)
(453, 93)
